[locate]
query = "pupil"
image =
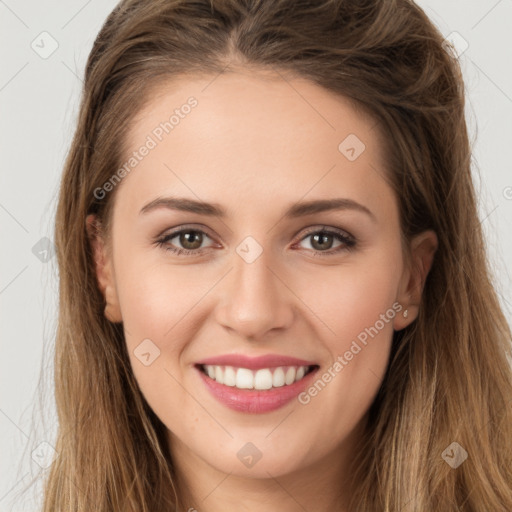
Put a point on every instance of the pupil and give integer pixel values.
(322, 238)
(187, 243)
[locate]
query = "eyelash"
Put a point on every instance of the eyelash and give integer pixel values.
(348, 242)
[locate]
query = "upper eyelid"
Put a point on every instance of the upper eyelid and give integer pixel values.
(327, 229)
(183, 229)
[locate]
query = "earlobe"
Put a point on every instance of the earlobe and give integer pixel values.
(103, 269)
(422, 252)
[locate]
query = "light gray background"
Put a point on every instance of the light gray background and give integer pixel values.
(39, 100)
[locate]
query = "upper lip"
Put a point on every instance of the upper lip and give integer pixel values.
(255, 363)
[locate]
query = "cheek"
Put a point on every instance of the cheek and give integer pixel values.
(352, 297)
(156, 304)
(358, 304)
(156, 298)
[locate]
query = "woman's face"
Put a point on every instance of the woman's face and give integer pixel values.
(276, 280)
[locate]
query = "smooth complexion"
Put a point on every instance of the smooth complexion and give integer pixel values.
(255, 145)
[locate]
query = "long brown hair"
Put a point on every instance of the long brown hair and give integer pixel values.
(448, 380)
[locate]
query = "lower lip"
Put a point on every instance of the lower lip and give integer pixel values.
(256, 401)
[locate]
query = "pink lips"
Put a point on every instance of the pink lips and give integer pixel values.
(252, 400)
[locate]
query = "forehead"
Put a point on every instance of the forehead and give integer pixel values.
(264, 136)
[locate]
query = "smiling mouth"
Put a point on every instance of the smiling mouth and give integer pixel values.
(261, 379)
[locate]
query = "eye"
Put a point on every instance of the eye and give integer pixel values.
(323, 240)
(190, 240)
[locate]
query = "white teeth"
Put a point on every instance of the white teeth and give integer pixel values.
(244, 378)
(278, 378)
(229, 376)
(290, 376)
(218, 375)
(265, 378)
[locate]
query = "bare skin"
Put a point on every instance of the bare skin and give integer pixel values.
(254, 145)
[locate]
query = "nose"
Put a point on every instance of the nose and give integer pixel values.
(255, 299)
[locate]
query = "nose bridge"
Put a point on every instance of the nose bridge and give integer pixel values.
(257, 300)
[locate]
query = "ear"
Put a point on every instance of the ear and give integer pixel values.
(104, 268)
(422, 251)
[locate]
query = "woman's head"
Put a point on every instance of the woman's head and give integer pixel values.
(255, 107)
(258, 280)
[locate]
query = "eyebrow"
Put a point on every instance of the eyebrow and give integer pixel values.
(299, 209)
